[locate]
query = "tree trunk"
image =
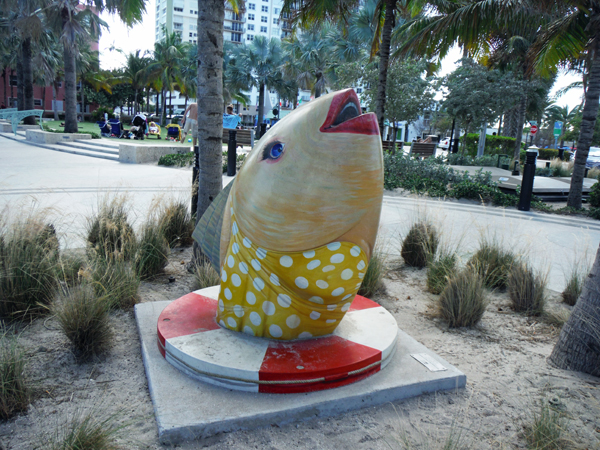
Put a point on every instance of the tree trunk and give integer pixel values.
(500, 125)
(578, 346)
(211, 14)
(54, 94)
(510, 127)
(162, 108)
(384, 56)
(519, 126)
(20, 96)
(70, 103)
(588, 122)
(261, 105)
(27, 81)
(482, 136)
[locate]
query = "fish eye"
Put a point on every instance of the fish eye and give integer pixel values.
(273, 152)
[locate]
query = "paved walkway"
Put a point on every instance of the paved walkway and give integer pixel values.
(72, 186)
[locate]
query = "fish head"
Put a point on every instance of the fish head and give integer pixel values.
(312, 177)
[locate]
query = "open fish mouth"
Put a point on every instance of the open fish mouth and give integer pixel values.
(345, 116)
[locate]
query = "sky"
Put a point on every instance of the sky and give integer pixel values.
(141, 37)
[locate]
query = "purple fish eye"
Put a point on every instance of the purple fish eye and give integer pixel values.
(276, 151)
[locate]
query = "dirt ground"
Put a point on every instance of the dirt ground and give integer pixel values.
(504, 359)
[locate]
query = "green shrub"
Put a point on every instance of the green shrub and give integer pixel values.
(115, 281)
(109, 234)
(595, 195)
(420, 244)
(546, 429)
(83, 318)
(463, 302)
(99, 113)
(574, 286)
(457, 159)
(372, 282)
(205, 276)
(239, 161)
(175, 222)
(177, 159)
(439, 270)
(88, 430)
(69, 267)
(494, 145)
(14, 391)
(526, 290)
(492, 263)
(28, 261)
(152, 251)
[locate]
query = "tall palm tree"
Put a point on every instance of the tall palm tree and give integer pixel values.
(562, 114)
(135, 73)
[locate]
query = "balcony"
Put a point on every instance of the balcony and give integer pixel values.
(235, 28)
(229, 15)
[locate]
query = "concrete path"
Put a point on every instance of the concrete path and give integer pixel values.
(72, 186)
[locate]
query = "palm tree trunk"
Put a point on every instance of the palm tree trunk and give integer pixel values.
(588, 122)
(82, 99)
(500, 125)
(578, 346)
(27, 80)
(384, 56)
(20, 96)
(162, 108)
(5, 89)
(70, 90)
(519, 126)
(261, 105)
(211, 14)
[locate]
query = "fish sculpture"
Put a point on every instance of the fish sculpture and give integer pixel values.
(293, 233)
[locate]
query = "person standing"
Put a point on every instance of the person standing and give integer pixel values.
(190, 122)
(231, 120)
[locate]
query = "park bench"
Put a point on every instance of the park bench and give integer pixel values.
(242, 137)
(6, 113)
(16, 116)
(424, 149)
(389, 145)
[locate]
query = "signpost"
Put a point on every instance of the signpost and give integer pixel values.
(557, 132)
(533, 129)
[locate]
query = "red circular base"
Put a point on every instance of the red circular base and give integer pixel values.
(191, 340)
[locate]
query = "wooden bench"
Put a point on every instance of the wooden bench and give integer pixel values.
(6, 113)
(389, 146)
(424, 149)
(242, 137)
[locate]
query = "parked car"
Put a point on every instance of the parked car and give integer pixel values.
(593, 159)
(444, 143)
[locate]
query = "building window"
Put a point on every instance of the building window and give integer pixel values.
(251, 6)
(276, 11)
(13, 80)
(191, 34)
(264, 8)
(358, 90)
(37, 102)
(191, 11)
(264, 19)
(275, 21)
(235, 37)
(249, 37)
(250, 16)
(263, 29)
(250, 27)
(177, 9)
(177, 26)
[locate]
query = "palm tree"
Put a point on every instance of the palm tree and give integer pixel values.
(562, 114)
(135, 74)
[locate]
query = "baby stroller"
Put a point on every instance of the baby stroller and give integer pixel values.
(115, 127)
(154, 129)
(139, 122)
(105, 128)
(174, 131)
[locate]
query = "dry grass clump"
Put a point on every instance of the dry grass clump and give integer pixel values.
(463, 301)
(439, 270)
(574, 286)
(556, 317)
(594, 173)
(526, 289)
(70, 267)
(546, 429)
(175, 222)
(559, 169)
(205, 275)
(109, 234)
(151, 255)
(115, 281)
(83, 318)
(420, 244)
(14, 392)
(28, 258)
(85, 431)
(493, 263)
(376, 270)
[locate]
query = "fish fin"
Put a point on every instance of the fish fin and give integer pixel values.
(208, 231)
(226, 230)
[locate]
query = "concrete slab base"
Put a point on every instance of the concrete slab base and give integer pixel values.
(188, 409)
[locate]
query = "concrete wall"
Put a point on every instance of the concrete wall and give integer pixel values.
(46, 137)
(139, 154)
(6, 127)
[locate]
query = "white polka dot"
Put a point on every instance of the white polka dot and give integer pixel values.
(255, 318)
(347, 274)
(346, 307)
(247, 242)
(322, 284)
(330, 321)
(258, 284)
(250, 297)
(238, 310)
(313, 264)
(316, 299)
(331, 307)
(274, 279)
(268, 308)
(361, 275)
(230, 261)
(338, 291)
(355, 251)
(328, 268)
(358, 285)
(248, 330)
(309, 254)
(223, 275)
(261, 253)
(231, 322)
(234, 228)
(243, 267)
(275, 331)
(221, 323)
(304, 334)
(236, 280)
(284, 300)
(255, 264)
(301, 282)
(231, 210)
(337, 258)
(227, 293)
(315, 315)
(235, 248)
(286, 261)
(221, 305)
(346, 297)
(334, 246)
(292, 321)
(360, 265)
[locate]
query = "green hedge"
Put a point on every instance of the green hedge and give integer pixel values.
(494, 145)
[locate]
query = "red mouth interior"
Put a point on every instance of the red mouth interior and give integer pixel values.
(342, 116)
